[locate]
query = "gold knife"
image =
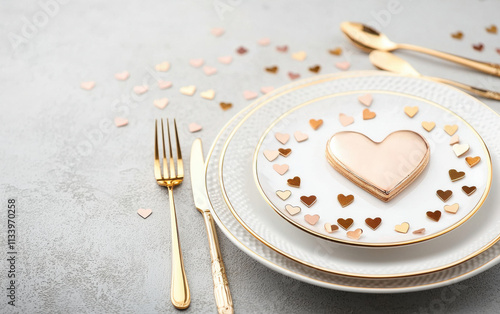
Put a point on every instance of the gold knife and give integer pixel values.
(222, 294)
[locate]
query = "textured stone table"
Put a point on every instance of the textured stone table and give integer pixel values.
(78, 180)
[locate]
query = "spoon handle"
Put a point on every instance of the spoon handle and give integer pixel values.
(490, 68)
(471, 89)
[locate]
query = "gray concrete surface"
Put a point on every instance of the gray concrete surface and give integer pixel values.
(78, 180)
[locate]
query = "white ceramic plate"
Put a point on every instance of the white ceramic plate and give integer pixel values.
(470, 239)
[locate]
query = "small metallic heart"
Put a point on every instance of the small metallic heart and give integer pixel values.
(144, 213)
(295, 182)
(271, 154)
(345, 120)
(411, 111)
(452, 209)
(292, 210)
(366, 99)
(428, 126)
(311, 219)
(281, 169)
(283, 194)
(460, 149)
(456, 175)
(373, 223)
(451, 129)
(444, 195)
(402, 228)
(345, 200)
(300, 137)
(472, 161)
(285, 152)
(368, 115)
(282, 138)
(315, 124)
(469, 190)
(356, 234)
(345, 223)
(435, 215)
(331, 228)
(308, 200)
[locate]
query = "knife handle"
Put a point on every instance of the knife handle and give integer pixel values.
(222, 294)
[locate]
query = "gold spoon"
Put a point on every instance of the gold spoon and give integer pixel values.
(367, 39)
(392, 63)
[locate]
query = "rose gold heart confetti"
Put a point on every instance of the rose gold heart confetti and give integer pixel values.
(336, 52)
(194, 127)
(292, 210)
(164, 84)
(196, 62)
(250, 95)
(217, 31)
(498, 51)
(469, 190)
(452, 209)
(144, 213)
(402, 228)
(345, 223)
(492, 29)
(435, 215)
(368, 115)
(315, 68)
(419, 231)
(266, 89)
(295, 182)
(242, 50)
(271, 154)
(373, 223)
(457, 35)
(331, 228)
(428, 126)
(122, 76)
(299, 56)
(456, 175)
(478, 47)
(264, 41)
(208, 70)
(300, 137)
(226, 105)
(282, 137)
(188, 90)
(345, 120)
(293, 75)
(454, 139)
(345, 200)
(285, 152)
(225, 59)
(208, 94)
(355, 235)
(308, 200)
(472, 161)
(119, 122)
(315, 124)
(87, 85)
(451, 129)
(311, 219)
(366, 99)
(344, 65)
(281, 169)
(272, 69)
(161, 103)
(411, 111)
(284, 195)
(140, 89)
(162, 67)
(444, 195)
(460, 149)
(282, 48)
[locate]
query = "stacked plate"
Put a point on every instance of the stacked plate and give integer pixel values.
(275, 194)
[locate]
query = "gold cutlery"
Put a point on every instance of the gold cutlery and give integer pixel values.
(392, 63)
(222, 294)
(170, 177)
(367, 39)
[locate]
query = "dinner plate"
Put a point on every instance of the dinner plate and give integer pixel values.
(252, 212)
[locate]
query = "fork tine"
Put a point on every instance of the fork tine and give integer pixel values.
(157, 157)
(165, 168)
(180, 164)
(172, 165)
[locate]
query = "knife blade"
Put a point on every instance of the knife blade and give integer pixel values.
(197, 169)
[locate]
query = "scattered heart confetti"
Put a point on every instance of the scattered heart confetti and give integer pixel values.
(272, 69)
(284, 194)
(162, 67)
(293, 75)
(264, 41)
(292, 210)
(164, 84)
(140, 89)
(266, 89)
(295, 182)
(368, 115)
(469, 190)
(451, 129)
(225, 59)
(452, 209)
(188, 90)
(460, 149)
(492, 29)
(457, 35)
(217, 31)
(454, 139)
(331, 228)
(119, 122)
(250, 94)
(345, 223)
(144, 213)
(315, 124)
(281, 169)
(356, 234)
(402, 228)
(456, 175)
(434, 215)
(122, 76)
(161, 103)
(208, 94)
(411, 111)
(444, 195)
(345, 200)
(336, 52)
(242, 50)
(472, 161)
(345, 120)
(344, 65)
(419, 231)
(196, 62)
(271, 154)
(299, 56)
(315, 69)
(282, 137)
(282, 48)
(226, 105)
(373, 223)
(498, 51)
(311, 219)
(300, 137)
(366, 99)
(208, 70)
(308, 200)
(428, 126)
(194, 127)
(285, 152)
(478, 47)
(87, 85)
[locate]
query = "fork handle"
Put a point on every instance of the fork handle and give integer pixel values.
(179, 290)
(471, 89)
(222, 293)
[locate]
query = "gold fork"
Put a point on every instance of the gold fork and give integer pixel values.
(179, 290)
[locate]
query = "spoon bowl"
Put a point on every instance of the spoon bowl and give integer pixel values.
(367, 37)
